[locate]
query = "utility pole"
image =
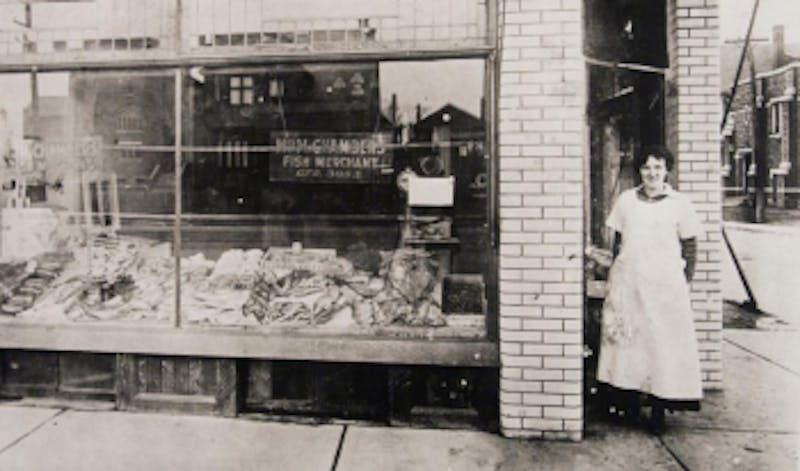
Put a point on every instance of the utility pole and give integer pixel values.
(759, 147)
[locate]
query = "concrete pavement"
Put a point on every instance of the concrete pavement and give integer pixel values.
(769, 258)
(754, 424)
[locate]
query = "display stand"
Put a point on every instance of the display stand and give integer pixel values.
(431, 231)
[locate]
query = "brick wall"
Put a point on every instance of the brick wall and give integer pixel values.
(542, 154)
(541, 124)
(694, 132)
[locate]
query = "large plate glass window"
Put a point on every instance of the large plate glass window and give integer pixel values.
(88, 193)
(336, 196)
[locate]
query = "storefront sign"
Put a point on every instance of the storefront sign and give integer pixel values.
(331, 158)
(84, 152)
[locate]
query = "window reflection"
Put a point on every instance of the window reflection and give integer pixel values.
(343, 196)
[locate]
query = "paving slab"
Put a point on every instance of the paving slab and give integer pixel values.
(757, 396)
(779, 346)
(607, 447)
(721, 451)
(16, 422)
(129, 441)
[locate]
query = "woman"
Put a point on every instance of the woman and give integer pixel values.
(648, 342)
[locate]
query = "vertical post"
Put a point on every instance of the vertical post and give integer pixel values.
(178, 192)
(760, 156)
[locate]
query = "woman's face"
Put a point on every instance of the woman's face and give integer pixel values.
(653, 173)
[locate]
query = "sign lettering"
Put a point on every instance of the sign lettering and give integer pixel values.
(331, 158)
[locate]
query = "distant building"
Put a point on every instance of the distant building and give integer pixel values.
(777, 67)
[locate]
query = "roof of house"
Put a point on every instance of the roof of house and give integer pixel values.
(452, 115)
(763, 55)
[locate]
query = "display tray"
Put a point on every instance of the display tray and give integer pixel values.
(455, 346)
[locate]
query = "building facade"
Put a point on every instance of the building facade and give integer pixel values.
(270, 222)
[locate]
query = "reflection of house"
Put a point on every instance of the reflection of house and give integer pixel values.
(457, 138)
(777, 67)
(49, 120)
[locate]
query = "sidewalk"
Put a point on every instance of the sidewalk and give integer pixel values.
(753, 425)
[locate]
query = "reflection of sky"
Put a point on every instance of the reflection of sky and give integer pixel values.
(430, 84)
(735, 16)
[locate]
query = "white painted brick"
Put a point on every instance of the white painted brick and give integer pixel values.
(542, 375)
(543, 300)
(542, 275)
(507, 374)
(522, 386)
(510, 200)
(563, 288)
(565, 338)
(520, 287)
(510, 275)
(562, 387)
(522, 238)
(563, 412)
(520, 336)
(541, 250)
(510, 348)
(521, 311)
(510, 423)
(510, 397)
(569, 400)
(573, 375)
(518, 262)
(558, 16)
(521, 163)
(542, 349)
(522, 411)
(542, 5)
(520, 188)
(542, 424)
(574, 363)
(522, 213)
(540, 399)
(522, 18)
(543, 225)
(510, 298)
(541, 325)
(543, 200)
(540, 28)
(563, 212)
(510, 225)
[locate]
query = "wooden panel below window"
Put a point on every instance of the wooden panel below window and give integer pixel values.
(181, 384)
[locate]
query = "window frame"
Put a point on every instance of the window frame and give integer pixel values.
(203, 341)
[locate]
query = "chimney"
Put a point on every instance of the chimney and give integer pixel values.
(779, 58)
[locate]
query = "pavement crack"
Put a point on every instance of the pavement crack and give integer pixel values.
(739, 430)
(31, 431)
(339, 449)
(673, 454)
(763, 357)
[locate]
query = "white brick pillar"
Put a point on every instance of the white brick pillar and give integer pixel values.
(693, 118)
(541, 190)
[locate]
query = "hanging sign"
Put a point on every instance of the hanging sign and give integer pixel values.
(316, 157)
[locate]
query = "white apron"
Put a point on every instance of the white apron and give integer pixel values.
(648, 339)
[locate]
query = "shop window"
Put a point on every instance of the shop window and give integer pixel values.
(354, 199)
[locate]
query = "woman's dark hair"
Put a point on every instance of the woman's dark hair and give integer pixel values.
(659, 152)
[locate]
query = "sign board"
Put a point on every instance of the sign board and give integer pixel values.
(431, 191)
(317, 157)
